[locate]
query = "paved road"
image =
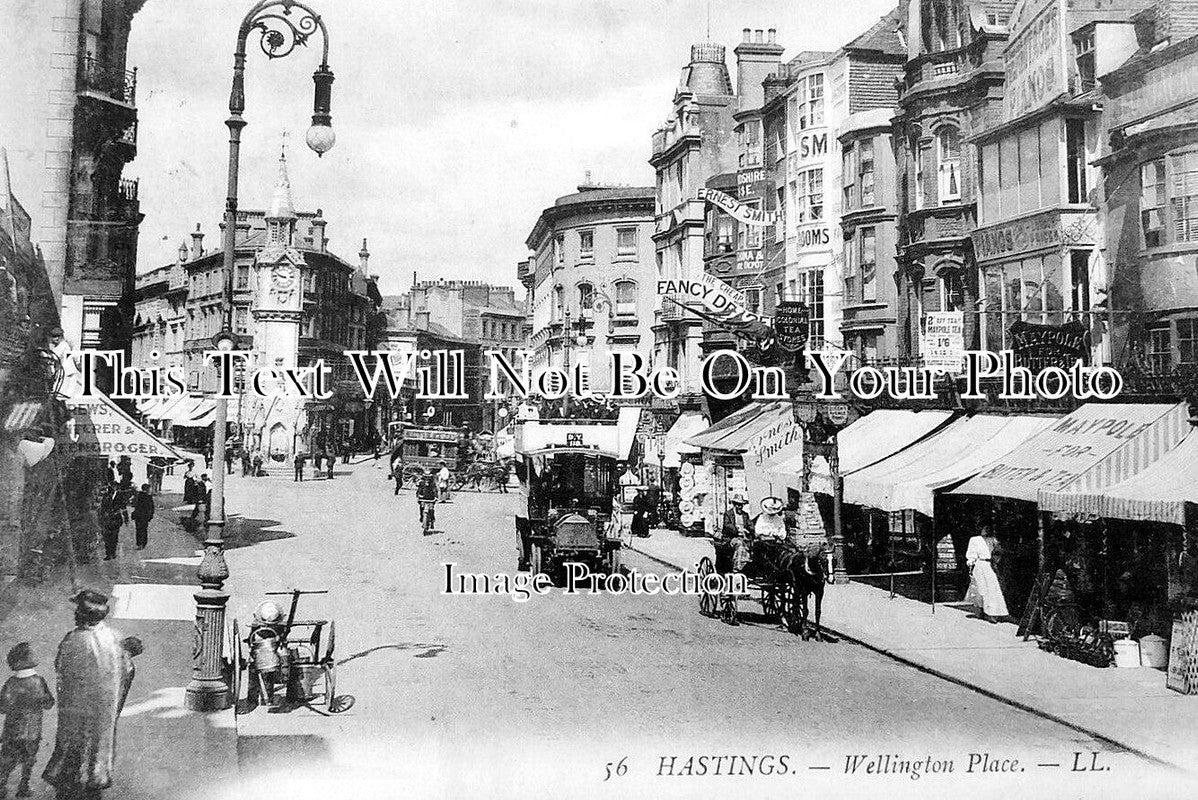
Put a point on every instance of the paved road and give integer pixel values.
(485, 697)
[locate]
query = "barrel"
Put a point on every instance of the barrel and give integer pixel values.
(1127, 653)
(1154, 652)
(264, 649)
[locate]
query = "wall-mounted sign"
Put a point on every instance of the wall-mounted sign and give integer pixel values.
(736, 209)
(713, 293)
(750, 176)
(943, 344)
(573, 440)
(792, 322)
(1034, 59)
(1018, 236)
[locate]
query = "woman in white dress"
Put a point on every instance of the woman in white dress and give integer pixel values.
(984, 590)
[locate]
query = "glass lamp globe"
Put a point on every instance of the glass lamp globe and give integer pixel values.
(321, 139)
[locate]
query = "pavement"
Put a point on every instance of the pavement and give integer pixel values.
(163, 750)
(1128, 708)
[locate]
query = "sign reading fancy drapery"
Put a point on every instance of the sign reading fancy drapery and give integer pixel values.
(738, 210)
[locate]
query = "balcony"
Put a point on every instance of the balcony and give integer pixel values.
(100, 78)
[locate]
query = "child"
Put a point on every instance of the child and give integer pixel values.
(22, 700)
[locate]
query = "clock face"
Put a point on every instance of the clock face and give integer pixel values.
(282, 276)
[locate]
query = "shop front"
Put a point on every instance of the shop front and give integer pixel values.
(1084, 452)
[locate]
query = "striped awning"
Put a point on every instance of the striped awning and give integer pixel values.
(1097, 445)
(201, 415)
(909, 479)
(870, 439)
(165, 406)
(740, 439)
(1157, 493)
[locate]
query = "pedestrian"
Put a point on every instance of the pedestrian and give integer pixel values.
(245, 462)
(330, 460)
(124, 470)
(229, 459)
(985, 592)
(113, 475)
(299, 466)
(22, 700)
(374, 441)
(95, 671)
(112, 517)
(397, 474)
(443, 482)
(346, 449)
(203, 494)
(208, 457)
(318, 462)
(189, 483)
(154, 471)
(426, 493)
(257, 467)
(143, 512)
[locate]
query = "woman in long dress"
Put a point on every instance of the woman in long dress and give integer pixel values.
(984, 589)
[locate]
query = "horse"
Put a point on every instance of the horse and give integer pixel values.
(808, 570)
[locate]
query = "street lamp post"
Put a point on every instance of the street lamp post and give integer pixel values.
(282, 26)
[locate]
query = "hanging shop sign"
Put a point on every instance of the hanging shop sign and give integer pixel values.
(1043, 346)
(943, 345)
(713, 293)
(736, 209)
(792, 323)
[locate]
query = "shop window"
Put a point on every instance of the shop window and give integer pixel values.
(1159, 351)
(625, 241)
(586, 296)
(811, 292)
(1075, 157)
(1187, 342)
(949, 164)
(625, 298)
(868, 262)
(586, 244)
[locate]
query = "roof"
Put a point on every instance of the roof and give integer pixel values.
(1095, 446)
(883, 35)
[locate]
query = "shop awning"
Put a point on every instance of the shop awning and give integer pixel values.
(726, 425)
(1097, 445)
(908, 479)
(688, 424)
(870, 439)
(180, 411)
(741, 438)
(1158, 493)
(99, 428)
(167, 406)
(201, 415)
(626, 423)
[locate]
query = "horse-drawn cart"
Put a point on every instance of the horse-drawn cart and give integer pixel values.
(783, 573)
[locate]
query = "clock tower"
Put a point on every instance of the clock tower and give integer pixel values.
(277, 311)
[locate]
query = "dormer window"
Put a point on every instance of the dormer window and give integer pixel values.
(1083, 52)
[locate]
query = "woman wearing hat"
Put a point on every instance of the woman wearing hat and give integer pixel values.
(770, 523)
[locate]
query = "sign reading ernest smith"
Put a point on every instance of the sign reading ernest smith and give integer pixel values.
(944, 341)
(1034, 58)
(738, 210)
(792, 322)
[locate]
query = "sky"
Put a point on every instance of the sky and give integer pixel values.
(457, 121)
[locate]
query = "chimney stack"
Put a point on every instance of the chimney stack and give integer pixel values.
(318, 227)
(746, 35)
(197, 243)
(757, 34)
(773, 34)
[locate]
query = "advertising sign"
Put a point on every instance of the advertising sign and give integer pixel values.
(713, 293)
(943, 344)
(738, 210)
(1035, 59)
(792, 322)
(1020, 236)
(1040, 346)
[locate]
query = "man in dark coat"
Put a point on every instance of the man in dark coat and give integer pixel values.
(95, 672)
(112, 517)
(299, 466)
(22, 700)
(143, 512)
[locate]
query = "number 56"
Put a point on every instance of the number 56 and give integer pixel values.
(619, 768)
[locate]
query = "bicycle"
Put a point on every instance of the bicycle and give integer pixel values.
(428, 515)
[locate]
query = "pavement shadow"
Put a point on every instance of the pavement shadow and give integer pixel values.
(247, 531)
(427, 650)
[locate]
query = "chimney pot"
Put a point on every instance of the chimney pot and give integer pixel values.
(747, 34)
(773, 34)
(757, 35)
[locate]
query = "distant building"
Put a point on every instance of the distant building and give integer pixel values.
(181, 306)
(591, 279)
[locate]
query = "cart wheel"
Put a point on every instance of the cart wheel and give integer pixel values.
(707, 600)
(728, 610)
(769, 602)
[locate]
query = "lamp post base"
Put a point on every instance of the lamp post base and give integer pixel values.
(208, 689)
